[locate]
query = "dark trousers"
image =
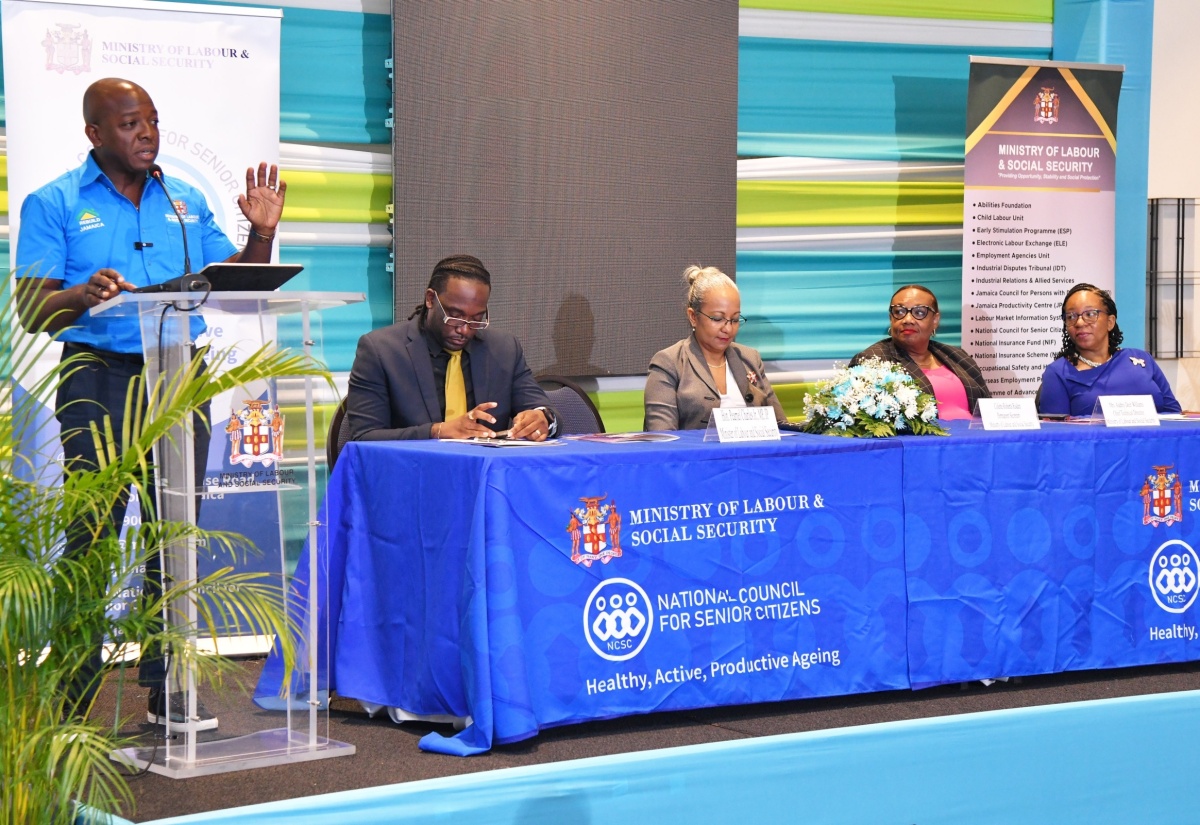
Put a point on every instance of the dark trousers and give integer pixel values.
(87, 395)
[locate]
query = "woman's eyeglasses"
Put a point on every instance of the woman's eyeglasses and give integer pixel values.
(920, 312)
(736, 321)
(1089, 315)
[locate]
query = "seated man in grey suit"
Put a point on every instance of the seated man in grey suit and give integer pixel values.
(440, 375)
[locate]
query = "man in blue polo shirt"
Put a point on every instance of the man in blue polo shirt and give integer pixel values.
(109, 227)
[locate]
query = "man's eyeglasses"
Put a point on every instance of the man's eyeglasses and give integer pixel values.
(736, 321)
(458, 323)
(1089, 315)
(920, 312)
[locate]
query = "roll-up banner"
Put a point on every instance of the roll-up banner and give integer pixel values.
(213, 74)
(1038, 208)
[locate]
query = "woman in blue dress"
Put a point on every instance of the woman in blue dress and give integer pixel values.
(1092, 362)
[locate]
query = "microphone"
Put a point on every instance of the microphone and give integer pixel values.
(187, 282)
(194, 282)
(156, 172)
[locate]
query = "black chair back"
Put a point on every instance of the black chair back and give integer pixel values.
(577, 415)
(339, 434)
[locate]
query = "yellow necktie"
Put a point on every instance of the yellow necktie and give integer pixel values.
(456, 388)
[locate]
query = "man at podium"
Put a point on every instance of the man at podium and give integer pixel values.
(115, 224)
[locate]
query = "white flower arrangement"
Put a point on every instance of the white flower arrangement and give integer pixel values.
(875, 399)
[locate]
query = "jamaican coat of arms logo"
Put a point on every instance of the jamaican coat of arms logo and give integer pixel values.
(255, 434)
(68, 49)
(595, 530)
(1162, 497)
(1046, 106)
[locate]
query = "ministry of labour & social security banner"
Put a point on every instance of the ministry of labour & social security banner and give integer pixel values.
(1038, 208)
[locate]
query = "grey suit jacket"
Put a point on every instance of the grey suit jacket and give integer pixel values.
(681, 394)
(392, 392)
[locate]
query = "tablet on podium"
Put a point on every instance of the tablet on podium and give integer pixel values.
(234, 277)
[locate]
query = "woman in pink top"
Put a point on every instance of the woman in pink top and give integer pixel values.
(944, 371)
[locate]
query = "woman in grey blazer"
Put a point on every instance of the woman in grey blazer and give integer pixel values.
(707, 369)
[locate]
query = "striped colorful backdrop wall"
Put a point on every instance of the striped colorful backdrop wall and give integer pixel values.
(851, 117)
(850, 134)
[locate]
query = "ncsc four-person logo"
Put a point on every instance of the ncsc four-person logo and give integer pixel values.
(1173, 581)
(617, 619)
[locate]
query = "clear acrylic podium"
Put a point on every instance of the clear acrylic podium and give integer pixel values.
(246, 736)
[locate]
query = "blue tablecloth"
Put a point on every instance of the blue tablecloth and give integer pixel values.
(534, 587)
(1043, 552)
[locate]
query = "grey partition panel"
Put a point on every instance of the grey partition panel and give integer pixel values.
(585, 150)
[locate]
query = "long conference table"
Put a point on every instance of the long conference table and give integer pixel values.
(527, 588)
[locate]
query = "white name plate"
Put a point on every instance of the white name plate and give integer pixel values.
(1009, 414)
(1129, 410)
(746, 424)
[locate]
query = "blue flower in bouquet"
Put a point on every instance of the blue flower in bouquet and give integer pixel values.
(874, 399)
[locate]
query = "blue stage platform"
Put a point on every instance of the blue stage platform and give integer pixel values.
(1119, 760)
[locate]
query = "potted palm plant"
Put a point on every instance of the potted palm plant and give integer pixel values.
(56, 762)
